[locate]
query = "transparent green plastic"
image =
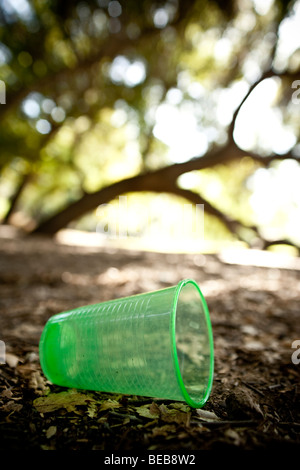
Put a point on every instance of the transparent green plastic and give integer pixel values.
(158, 344)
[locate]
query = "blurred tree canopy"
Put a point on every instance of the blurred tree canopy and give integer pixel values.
(105, 98)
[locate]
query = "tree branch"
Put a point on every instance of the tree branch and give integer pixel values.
(26, 178)
(108, 50)
(267, 74)
(265, 161)
(162, 180)
(231, 224)
(267, 243)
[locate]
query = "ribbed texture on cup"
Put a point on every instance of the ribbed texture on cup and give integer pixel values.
(121, 346)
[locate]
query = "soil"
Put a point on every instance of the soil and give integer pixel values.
(254, 308)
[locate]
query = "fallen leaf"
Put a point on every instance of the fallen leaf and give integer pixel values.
(234, 436)
(51, 431)
(7, 393)
(154, 409)
(181, 407)
(178, 417)
(55, 401)
(164, 430)
(92, 410)
(109, 404)
(163, 409)
(206, 415)
(146, 412)
(12, 407)
(12, 360)
(37, 381)
(174, 416)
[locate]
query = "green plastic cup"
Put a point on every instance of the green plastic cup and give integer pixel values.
(157, 344)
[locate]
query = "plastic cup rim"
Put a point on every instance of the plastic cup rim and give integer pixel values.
(190, 401)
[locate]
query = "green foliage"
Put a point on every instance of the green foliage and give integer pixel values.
(85, 82)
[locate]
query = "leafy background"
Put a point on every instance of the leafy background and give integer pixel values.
(166, 102)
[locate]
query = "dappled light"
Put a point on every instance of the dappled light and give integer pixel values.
(148, 145)
(115, 91)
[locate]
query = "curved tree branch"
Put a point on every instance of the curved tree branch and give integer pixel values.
(233, 225)
(162, 180)
(267, 74)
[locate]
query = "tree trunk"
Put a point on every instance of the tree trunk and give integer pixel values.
(16, 196)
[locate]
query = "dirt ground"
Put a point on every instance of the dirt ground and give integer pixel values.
(254, 310)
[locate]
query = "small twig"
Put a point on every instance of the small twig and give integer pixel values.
(271, 387)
